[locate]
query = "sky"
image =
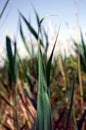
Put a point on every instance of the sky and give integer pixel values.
(64, 9)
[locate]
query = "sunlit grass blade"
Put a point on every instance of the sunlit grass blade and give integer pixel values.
(71, 101)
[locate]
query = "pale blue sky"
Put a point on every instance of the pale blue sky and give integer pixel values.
(64, 8)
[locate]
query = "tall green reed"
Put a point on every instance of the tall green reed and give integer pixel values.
(43, 98)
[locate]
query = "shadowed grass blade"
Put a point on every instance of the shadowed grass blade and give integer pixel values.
(71, 102)
(6, 127)
(49, 61)
(59, 120)
(9, 50)
(5, 100)
(2, 12)
(47, 42)
(37, 17)
(83, 44)
(4, 84)
(31, 29)
(24, 40)
(12, 60)
(80, 124)
(26, 73)
(83, 50)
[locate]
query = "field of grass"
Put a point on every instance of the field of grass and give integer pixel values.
(38, 94)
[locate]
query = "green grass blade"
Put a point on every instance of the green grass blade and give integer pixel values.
(9, 50)
(12, 62)
(74, 119)
(15, 60)
(71, 102)
(29, 79)
(82, 121)
(47, 42)
(37, 17)
(31, 29)
(83, 44)
(24, 40)
(27, 89)
(43, 100)
(49, 61)
(3, 10)
(29, 26)
(33, 51)
(83, 49)
(38, 24)
(26, 73)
